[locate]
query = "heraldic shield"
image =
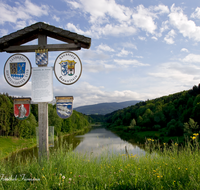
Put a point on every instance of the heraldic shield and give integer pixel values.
(22, 108)
(41, 57)
(64, 106)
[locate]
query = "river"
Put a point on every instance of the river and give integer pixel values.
(95, 141)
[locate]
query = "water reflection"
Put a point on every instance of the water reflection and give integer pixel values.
(95, 141)
(101, 140)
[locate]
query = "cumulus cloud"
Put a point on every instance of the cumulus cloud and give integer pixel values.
(3, 32)
(86, 94)
(176, 72)
(192, 58)
(57, 19)
(144, 19)
(196, 13)
(21, 12)
(169, 38)
(99, 10)
(186, 27)
(123, 53)
(154, 38)
(141, 38)
(97, 66)
(184, 50)
(161, 9)
(129, 45)
(108, 29)
(126, 63)
(104, 47)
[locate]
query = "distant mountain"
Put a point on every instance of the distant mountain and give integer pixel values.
(104, 108)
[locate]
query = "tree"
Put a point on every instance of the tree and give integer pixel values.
(132, 124)
(191, 127)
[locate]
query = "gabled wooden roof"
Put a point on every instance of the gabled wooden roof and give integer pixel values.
(32, 32)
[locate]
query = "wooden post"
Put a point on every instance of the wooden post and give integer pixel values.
(43, 130)
(43, 114)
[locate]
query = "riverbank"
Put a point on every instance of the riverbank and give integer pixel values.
(11, 145)
(140, 137)
(14, 144)
(172, 168)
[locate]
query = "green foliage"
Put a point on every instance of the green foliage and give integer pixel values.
(191, 127)
(10, 126)
(167, 112)
(132, 124)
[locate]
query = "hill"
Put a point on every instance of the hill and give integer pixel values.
(104, 108)
(175, 115)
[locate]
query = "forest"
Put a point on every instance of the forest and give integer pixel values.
(175, 115)
(10, 126)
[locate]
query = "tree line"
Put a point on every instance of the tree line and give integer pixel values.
(11, 126)
(173, 115)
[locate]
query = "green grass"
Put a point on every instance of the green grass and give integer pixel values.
(165, 167)
(12, 144)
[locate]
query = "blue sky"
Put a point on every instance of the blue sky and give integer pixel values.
(141, 49)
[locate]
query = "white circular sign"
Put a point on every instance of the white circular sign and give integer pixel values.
(68, 68)
(17, 70)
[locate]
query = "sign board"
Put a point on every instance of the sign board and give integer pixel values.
(68, 68)
(64, 106)
(42, 84)
(17, 70)
(22, 108)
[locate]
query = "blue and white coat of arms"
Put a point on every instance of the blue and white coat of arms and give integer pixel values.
(41, 57)
(64, 106)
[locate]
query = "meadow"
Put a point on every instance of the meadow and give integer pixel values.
(13, 144)
(162, 167)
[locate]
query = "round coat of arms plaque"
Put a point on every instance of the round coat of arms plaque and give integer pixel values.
(17, 70)
(68, 68)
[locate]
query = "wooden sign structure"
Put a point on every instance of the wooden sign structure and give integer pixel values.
(13, 43)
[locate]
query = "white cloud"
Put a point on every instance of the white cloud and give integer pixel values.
(192, 58)
(100, 9)
(92, 66)
(123, 53)
(108, 29)
(144, 19)
(154, 38)
(141, 38)
(169, 38)
(3, 32)
(139, 57)
(196, 14)
(186, 27)
(127, 63)
(164, 27)
(162, 9)
(176, 73)
(57, 19)
(86, 94)
(104, 47)
(21, 12)
(129, 45)
(72, 27)
(184, 50)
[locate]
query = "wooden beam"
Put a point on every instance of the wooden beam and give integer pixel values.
(50, 47)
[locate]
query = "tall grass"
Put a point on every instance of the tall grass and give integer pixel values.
(162, 167)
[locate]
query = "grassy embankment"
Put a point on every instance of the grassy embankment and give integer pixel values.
(165, 168)
(13, 144)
